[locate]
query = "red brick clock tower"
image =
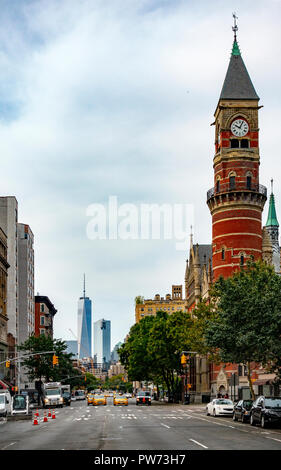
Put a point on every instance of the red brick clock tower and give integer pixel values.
(237, 199)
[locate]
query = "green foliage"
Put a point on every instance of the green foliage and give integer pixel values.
(247, 324)
(202, 315)
(152, 351)
(41, 366)
(139, 299)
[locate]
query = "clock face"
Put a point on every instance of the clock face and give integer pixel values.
(239, 127)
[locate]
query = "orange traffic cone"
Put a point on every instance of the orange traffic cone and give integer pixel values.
(35, 420)
(45, 420)
(37, 413)
(49, 414)
(54, 416)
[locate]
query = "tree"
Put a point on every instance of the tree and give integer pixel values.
(204, 312)
(134, 353)
(41, 366)
(247, 325)
(152, 351)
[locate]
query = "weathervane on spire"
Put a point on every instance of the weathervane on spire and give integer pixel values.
(235, 27)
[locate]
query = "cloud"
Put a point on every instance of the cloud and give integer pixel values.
(116, 98)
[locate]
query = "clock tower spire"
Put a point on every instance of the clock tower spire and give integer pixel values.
(237, 199)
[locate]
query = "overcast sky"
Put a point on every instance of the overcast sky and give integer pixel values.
(103, 98)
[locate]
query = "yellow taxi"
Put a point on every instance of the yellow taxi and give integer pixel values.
(120, 400)
(99, 400)
(90, 398)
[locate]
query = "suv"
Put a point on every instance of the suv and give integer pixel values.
(143, 398)
(266, 411)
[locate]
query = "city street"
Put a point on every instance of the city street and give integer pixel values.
(160, 426)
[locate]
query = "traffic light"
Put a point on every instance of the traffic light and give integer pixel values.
(55, 360)
(8, 363)
(183, 359)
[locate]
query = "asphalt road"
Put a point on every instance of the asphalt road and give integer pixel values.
(156, 427)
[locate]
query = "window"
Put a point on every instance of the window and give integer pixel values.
(222, 253)
(241, 260)
(42, 332)
(234, 143)
(249, 182)
(42, 320)
(42, 307)
(218, 186)
(244, 144)
(232, 182)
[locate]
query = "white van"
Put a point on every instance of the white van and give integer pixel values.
(5, 403)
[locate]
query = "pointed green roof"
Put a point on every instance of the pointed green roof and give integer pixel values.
(235, 48)
(272, 218)
(237, 84)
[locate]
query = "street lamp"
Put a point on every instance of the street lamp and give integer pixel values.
(185, 356)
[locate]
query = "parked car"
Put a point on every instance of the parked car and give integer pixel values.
(219, 407)
(5, 403)
(266, 411)
(242, 410)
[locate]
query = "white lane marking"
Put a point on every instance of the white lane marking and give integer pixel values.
(215, 422)
(273, 439)
(11, 444)
(198, 443)
(162, 424)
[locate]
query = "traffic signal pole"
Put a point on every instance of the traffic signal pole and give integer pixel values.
(17, 360)
(185, 358)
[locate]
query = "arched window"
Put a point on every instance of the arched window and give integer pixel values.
(218, 186)
(242, 260)
(222, 254)
(249, 182)
(232, 182)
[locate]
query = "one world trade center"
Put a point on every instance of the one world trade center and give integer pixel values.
(84, 326)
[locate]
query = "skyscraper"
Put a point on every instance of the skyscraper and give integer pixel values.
(84, 326)
(26, 307)
(102, 341)
(8, 223)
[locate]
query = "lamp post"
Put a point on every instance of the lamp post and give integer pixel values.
(185, 356)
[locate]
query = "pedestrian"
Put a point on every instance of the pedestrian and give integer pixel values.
(226, 395)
